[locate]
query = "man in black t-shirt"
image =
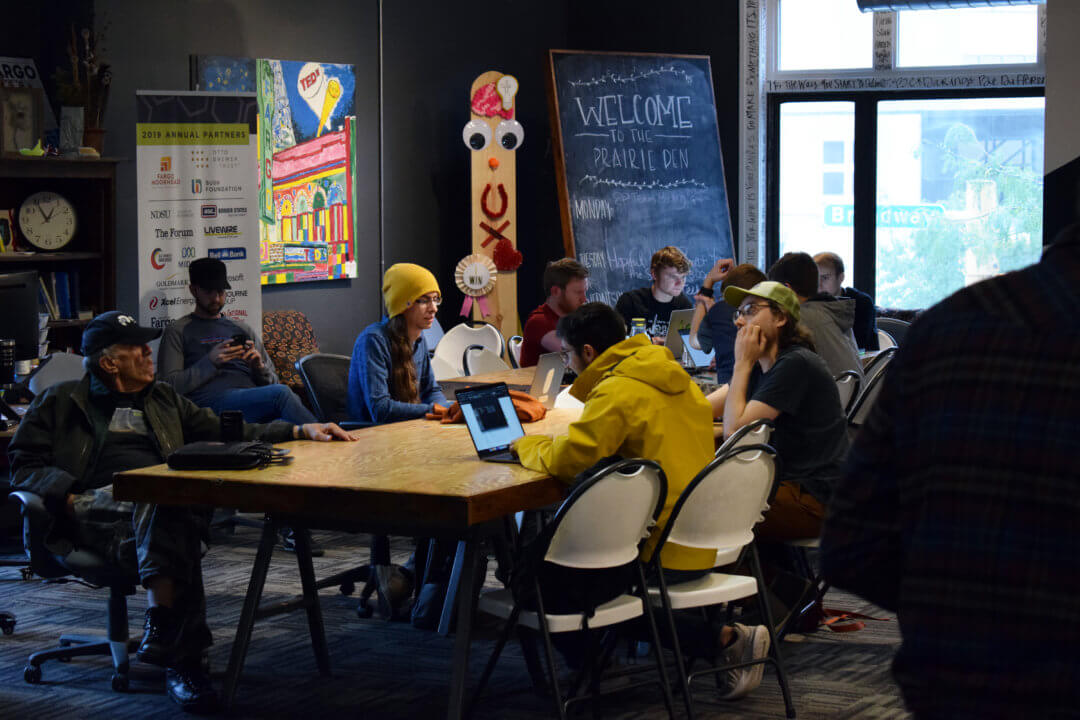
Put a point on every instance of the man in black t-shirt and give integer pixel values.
(669, 268)
(778, 377)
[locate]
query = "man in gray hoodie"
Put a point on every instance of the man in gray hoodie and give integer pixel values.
(829, 318)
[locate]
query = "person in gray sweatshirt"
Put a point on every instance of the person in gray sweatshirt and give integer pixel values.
(829, 319)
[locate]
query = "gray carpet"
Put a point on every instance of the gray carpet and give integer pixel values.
(385, 670)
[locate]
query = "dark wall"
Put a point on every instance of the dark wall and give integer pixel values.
(433, 51)
(149, 44)
(692, 27)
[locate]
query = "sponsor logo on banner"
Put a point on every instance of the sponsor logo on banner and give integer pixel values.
(160, 214)
(169, 213)
(229, 253)
(164, 177)
(161, 322)
(176, 281)
(221, 230)
(166, 163)
(209, 212)
(159, 259)
(173, 233)
(196, 186)
(163, 302)
(237, 278)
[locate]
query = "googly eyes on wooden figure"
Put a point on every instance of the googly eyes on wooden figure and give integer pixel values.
(476, 135)
(509, 134)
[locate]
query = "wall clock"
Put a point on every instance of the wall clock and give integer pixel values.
(47, 220)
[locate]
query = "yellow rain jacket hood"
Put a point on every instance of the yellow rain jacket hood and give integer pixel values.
(639, 403)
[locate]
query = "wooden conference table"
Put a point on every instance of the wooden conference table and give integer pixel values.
(415, 478)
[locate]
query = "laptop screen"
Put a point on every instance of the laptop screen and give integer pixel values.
(698, 357)
(490, 416)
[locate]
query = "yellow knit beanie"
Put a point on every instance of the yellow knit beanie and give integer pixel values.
(403, 283)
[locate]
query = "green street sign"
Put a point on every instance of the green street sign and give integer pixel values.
(888, 216)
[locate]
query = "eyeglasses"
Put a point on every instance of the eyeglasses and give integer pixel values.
(564, 355)
(747, 310)
(434, 302)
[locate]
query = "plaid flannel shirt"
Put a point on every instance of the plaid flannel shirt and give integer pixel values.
(960, 505)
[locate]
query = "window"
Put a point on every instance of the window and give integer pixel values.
(815, 138)
(959, 194)
(922, 174)
(969, 36)
(824, 35)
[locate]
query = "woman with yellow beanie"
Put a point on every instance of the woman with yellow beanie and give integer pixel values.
(390, 379)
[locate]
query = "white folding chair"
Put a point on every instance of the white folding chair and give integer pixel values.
(514, 345)
(478, 360)
(59, 367)
(451, 349)
(847, 385)
(719, 509)
(885, 340)
(756, 433)
(587, 535)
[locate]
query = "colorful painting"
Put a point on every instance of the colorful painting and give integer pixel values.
(222, 73)
(311, 187)
(306, 147)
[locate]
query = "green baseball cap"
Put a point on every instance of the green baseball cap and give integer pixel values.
(778, 293)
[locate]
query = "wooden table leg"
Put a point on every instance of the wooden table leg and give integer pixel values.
(247, 615)
(311, 599)
(466, 607)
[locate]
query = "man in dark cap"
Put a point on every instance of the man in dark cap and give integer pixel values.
(72, 440)
(218, 362)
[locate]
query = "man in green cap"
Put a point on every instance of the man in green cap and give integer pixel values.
(778, 376)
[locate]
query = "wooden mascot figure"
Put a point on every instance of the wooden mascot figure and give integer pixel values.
(493, 136)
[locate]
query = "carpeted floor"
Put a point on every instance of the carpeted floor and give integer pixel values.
(384, 670)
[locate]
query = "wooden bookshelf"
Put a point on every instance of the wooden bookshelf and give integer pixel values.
(90, 185)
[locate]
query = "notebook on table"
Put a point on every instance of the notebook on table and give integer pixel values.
(492, 421)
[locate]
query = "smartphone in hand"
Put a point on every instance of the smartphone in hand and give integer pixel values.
(232, 426)
(239, 339)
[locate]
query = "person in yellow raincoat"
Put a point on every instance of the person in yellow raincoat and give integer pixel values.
(639, 403)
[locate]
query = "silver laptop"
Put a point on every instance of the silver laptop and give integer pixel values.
(492, 421)
(548, 379)
(695, 359)
(680, 320)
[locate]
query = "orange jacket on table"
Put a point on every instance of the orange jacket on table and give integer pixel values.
(639, 403)
(528, 408)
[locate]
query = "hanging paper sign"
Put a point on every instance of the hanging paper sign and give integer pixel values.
(475, 276)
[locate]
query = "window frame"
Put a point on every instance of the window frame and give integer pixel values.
(864, 156)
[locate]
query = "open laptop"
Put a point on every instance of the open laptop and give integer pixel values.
(492, 421)
(680, 320)
(548, 379)
(695, 359)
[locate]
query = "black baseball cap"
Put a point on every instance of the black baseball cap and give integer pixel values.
(209, 274)
(113, 327)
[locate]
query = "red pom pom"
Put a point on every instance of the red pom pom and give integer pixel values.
(506, 256)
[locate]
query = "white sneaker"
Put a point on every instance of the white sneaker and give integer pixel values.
(751, 643)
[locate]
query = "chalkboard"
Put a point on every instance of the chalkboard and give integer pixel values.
(637, 155)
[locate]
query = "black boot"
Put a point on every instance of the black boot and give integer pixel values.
(189, 686)
(161, 636)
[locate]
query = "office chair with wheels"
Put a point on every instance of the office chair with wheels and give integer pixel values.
(326, 381)
(90, 569)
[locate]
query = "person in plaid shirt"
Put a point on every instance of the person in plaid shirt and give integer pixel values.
(960, 504)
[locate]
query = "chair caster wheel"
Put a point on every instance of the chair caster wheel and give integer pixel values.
(364, 610)
(27, 573)
(32, 674)
(347, 588)
(119, 682)
(7, 623)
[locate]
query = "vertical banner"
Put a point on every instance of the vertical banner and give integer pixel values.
(198, 185)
